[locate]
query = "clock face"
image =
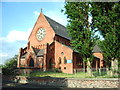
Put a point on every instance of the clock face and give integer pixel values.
(40, 34)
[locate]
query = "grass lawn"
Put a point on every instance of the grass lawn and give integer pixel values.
(59, 75)
(64, 75)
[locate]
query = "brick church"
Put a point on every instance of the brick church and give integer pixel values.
(49, 48)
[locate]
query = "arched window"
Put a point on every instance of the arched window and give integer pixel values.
(62, 53)
(31, 63)
(65, 60)
(59, 60)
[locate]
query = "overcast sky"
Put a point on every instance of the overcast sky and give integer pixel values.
(18, 19)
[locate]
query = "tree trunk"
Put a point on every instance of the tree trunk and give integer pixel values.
(107, 70)
(114, 67)
(83, 66)
(89, 71)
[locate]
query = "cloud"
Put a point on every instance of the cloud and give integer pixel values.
(36, 13)
(16, 35)
(2, 57)
(2, 38)
(10, 44)
(3, 54)
(9, 49)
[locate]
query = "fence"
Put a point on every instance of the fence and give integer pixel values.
(100, 71)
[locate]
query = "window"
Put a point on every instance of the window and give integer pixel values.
(59, 68)
(65, 60)
(64, 67)
(62, 53)
(59, 60)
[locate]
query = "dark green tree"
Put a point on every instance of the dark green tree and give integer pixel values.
(106, 20)
(10, 66)
(82, 36)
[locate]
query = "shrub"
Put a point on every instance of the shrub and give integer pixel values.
(10, 66)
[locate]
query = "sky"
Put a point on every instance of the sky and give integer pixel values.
(18, 19)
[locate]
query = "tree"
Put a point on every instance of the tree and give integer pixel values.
(106, 20)
(82, 36)
(10, 66)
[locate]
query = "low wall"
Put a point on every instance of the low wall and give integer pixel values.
(70, 82)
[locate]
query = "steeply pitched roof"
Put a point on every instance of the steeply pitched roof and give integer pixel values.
(38, 52)
(58, 28)
(24, 55)
(96, 49)
(41, 52)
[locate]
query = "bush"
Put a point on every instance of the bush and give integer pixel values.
(10, 66)
(56, 70)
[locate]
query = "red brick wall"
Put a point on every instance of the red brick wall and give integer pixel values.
(53, 50)
(68, 53)
(23, 62)
(62, 40)
(41, 23)
(99, 55)
(51, 55)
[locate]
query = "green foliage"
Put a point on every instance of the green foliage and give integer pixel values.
(58, 74)
(79, 28)
(76, 75)
(106, 20)
(56, 70)
(106, 17)
(110, 46)
(10, 66)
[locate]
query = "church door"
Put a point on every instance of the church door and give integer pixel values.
(50, 64)
(31, 63)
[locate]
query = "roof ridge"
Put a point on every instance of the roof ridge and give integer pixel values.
(58, 28)
(96, 48)
(54, 21)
